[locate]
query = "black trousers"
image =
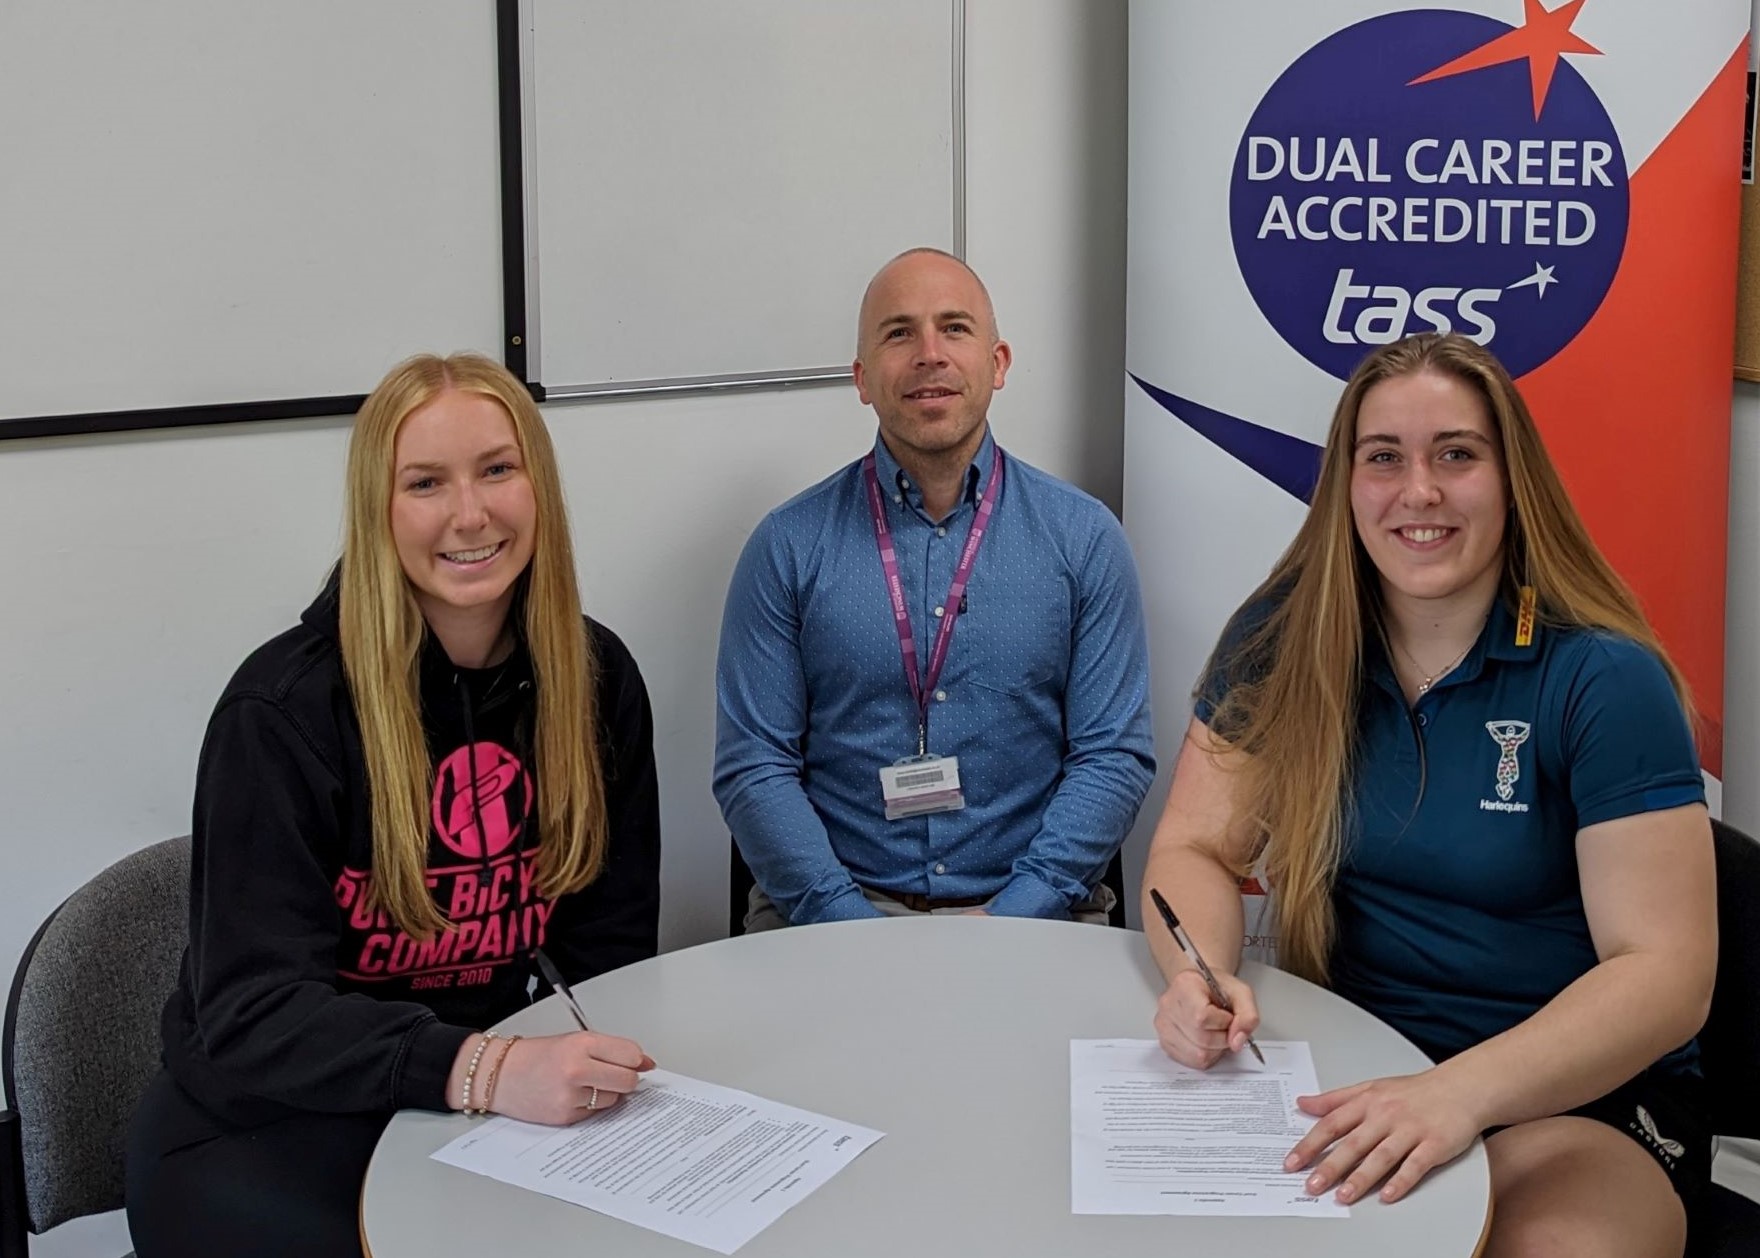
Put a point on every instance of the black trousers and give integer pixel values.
(289, 1189)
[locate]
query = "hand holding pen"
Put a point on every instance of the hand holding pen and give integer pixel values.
(561, 1079)
(553, 976)
(1200, 1017)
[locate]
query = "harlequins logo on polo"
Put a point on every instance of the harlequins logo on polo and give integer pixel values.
(1508, 735)
(1646, 1128)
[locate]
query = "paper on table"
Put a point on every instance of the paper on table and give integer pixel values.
(706, 1164)
(1149, 1136)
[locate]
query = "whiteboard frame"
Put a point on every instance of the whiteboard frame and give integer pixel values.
(672, 386)
(521, 341)
(514, 251)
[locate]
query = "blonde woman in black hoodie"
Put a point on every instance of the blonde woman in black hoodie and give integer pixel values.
(399, 803)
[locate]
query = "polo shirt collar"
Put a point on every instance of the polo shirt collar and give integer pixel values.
(889, 473)
(1496, 641)
(1501, 634)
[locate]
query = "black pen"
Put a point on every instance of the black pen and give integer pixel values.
(1191, 950)
(554, 978)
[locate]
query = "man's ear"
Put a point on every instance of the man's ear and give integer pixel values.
(1001, 355)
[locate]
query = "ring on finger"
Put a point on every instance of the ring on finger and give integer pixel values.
(593, 1100)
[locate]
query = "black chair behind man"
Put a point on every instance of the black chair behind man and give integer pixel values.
(740, 880)
(1725, 1224)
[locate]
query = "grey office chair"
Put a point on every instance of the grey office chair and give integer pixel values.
(81, 1039)
(1726, 1224)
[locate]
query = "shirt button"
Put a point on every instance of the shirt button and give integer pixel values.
(940, 612)
(898, 497)
(904, 482)
(940, 532)
(1423, 718)
(940, 696)
(941, 869)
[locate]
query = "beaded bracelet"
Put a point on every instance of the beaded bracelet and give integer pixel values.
(495, 1073)
(470, 1071)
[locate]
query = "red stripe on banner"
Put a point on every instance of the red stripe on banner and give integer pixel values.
(1636, 410)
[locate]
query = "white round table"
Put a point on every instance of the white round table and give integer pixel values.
(951, 1035)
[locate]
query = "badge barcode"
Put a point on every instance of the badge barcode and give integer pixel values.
(921, 777)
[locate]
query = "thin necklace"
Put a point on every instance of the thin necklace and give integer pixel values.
(1445, 670)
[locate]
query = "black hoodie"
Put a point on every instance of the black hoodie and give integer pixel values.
(294, 998)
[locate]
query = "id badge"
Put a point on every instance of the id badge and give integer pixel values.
(921, 784)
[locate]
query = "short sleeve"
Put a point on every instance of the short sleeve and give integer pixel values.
(1628, 746)
(1241, 657)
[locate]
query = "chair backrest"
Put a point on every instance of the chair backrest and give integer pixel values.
(740, 880)
(739, 886)
(1114, 878)
(81, 1038)
(1729, 1045)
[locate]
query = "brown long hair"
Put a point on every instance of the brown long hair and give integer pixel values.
(383, 629)
(1295, 678)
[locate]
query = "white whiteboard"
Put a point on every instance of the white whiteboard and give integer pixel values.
(710, 185)
(218, 201)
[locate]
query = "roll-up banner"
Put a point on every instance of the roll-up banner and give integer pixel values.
(1309, 180)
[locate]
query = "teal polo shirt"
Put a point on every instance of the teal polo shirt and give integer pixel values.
(1459, 905)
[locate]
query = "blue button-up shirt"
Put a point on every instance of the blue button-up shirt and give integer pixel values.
(1044, 696)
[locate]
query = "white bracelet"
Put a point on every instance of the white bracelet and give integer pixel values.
(470, 1071)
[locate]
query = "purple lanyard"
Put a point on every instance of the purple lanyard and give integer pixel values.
(921, 686)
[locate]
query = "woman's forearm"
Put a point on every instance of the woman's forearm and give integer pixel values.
(1207, 898)
(1602, 1030)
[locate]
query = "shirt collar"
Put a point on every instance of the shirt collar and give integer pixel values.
(1496, 641)
(1500, 635)
(889, 473)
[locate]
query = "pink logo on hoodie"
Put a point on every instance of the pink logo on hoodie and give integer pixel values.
(481, 793)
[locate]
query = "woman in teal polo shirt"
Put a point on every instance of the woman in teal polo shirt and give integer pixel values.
(1445, 733)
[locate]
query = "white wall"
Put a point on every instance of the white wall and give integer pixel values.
(1741, 681)
(140, 569)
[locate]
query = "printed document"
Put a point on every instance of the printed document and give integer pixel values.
(1150, 1136)
(692, 1160)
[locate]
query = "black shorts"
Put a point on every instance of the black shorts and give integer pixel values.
(1665, 1115)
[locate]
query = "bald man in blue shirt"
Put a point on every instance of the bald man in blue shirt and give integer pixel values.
(933, 677)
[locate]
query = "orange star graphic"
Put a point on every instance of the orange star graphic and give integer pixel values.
(1542, 38)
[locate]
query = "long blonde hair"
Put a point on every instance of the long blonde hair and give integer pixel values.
(1294, 679)
(383, 631)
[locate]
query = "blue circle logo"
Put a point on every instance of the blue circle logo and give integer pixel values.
(1430, 170)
